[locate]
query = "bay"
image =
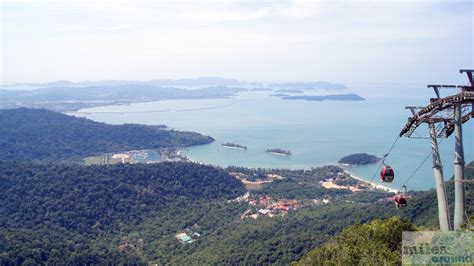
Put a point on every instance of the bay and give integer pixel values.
(317, 133)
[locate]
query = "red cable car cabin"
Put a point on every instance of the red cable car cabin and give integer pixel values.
(387, 174)
(400, 201)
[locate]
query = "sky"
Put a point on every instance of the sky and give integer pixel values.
(338, 41)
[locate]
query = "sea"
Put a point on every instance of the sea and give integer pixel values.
(316, 132)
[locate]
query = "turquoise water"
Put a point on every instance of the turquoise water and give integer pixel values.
(317, 133)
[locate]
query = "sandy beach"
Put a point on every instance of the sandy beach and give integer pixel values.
(373, 184)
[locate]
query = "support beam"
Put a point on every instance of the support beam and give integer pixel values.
(469, 73)
(459, 196)
(443, 211)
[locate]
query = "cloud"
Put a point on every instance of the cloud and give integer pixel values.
(285, 40)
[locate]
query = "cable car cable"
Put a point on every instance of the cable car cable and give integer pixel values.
(419, 166)
(393, 145)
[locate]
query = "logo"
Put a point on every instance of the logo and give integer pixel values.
(438, 248)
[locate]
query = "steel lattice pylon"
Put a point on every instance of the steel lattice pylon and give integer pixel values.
(444, 117)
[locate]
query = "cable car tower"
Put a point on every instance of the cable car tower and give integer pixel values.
(445, 116)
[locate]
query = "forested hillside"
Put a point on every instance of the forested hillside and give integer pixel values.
(38, 134)
(278, 240)
(82, 213)
(375, 243)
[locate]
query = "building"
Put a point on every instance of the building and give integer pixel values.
(255, 216)
(121, 157)
(186, 239)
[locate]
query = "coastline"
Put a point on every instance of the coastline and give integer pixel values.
(372, 184)
(358, 178)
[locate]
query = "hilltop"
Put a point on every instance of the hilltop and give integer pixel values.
(374, 243)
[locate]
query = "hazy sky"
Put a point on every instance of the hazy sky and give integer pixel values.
(339, 41)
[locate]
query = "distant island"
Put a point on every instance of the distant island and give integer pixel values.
(67, 96)
(279, 95)
(279, 152)
(74, 98)
(312, 85)
(359, 159)
(261, 89)
(199, 81)
(289, 91)
(233, 146)
(336, 97)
